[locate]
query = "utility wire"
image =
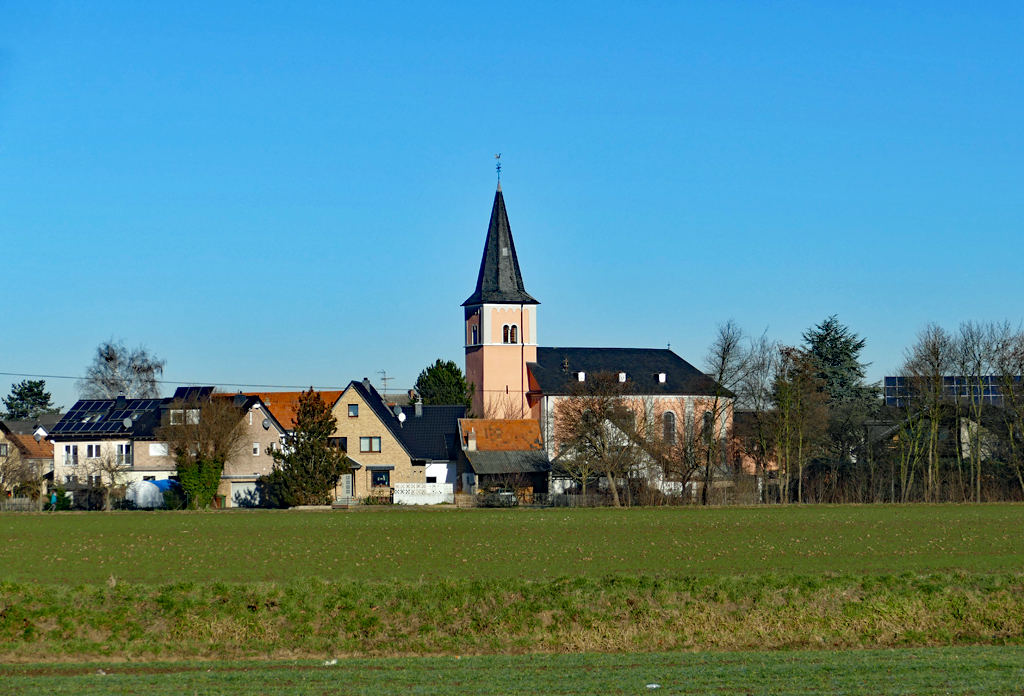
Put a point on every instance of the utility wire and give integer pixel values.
(167, 381)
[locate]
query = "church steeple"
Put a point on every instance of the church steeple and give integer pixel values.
(500, 280)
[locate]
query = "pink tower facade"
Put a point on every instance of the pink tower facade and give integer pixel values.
(500, 327)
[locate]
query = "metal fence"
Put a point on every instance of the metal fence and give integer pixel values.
(19, 505)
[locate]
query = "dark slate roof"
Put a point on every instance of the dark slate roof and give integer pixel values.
(556, 369)
(431, 436)
(99, 418)
(435, 434)
(500, 279)
(509, 462)
(28, 427)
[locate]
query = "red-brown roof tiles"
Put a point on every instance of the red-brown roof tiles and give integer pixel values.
(496, 435)
(285, 405)
(30, 449)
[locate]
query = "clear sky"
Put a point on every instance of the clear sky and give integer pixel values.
(298, 193)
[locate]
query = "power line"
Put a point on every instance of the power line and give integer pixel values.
(167, 381)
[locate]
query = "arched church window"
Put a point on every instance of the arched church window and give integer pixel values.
(504, 334)
(513, 334)
(668, 423)
(476, 335)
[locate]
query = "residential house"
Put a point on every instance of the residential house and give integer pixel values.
(502, 453)
(387, 443)
(391, 444)
(103, 439)
(24, 453)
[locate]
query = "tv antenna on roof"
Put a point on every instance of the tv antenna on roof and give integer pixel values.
(385, 379)
(498, 165)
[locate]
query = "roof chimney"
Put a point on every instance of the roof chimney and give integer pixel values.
(471, 440)
(419, 407)
(120, 402)
(366, 382)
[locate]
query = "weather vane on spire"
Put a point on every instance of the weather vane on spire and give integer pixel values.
(498, 165)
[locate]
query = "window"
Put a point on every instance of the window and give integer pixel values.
(158, 449)
(708, 425)
(186, 416)
(431, 479)
(124, 454)
(255, 449)
(581, 376)
(504, 334)
(92, 451)
(622, 376)
(476, 335)
(513, 334)
(353, 410)
(71, 454)
(149, 478)
(668, 422)
(369, 444)
(380, 478)
(3, 449)
(338, 442)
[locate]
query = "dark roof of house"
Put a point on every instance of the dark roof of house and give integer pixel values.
(509, 462)
(499, 280)
(556, 371)
(104, 418)
(431, 436)
(28, 427)
(95, 418)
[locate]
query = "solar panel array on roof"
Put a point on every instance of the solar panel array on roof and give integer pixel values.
(987, 389)
(191, 394)
(102, 417)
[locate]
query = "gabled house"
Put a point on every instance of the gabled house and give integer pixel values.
(24, 454)
(497, 453)
(285, 405)
(390, 444)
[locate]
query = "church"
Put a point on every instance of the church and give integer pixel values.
(515, 378)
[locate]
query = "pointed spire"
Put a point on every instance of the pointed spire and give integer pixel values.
(500, 280)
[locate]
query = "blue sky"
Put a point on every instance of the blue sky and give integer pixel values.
(298, 194)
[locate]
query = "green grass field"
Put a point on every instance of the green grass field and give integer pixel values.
(432, 543)
(986, 670)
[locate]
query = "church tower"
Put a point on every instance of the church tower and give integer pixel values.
(500, 326)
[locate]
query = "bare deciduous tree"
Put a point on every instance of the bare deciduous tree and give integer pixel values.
(117, 370)
(801, 415)
(202, 436)
(727, 363)
(924, 371)
(595, 424)
(754, 394)
(1009, 364)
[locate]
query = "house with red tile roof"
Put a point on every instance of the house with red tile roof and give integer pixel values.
(502, 453)
(22, 456)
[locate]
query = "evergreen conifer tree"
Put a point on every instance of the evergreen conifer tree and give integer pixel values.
(309, 467)
(835, 352)
(444, 384)
(29, 400)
